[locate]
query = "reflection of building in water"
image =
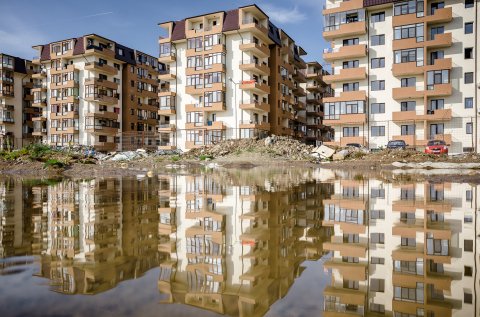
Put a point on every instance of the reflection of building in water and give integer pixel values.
(15, 232)
(99, 233)
(234, 249)
(401, 250)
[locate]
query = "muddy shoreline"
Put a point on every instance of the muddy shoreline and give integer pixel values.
(354, 169)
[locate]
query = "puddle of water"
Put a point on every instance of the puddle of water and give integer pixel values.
(275, 242)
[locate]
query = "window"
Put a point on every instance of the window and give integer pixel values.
(409, 294)
(469, 128)
(409, 56)
(377, 85)
(436, 77)
(469, 3)
(120, 51)
(467, 297)
(377, 238)
(377, 308)
(408, 242)
(468, 245)
(436, 55)
(408, 82)
(468, 103)
(377, 285)
(348, 42)
(377, 214)
(408, 7)
(468, 78)
(409, 31)
(378, 131)
(351, 131)
(377, 40)
(378, 62)
(435, 104)
(408, 105)
(435, 31)
(333, 110)
(350, 284)
(350, 86)
(436, 128)
(377, 193)
(351, 64)
(376, 260)
(408, 129)
(377, 108)
(435, 6)
(467, 271)
(469, 28)
(468, 53)
(378, 17)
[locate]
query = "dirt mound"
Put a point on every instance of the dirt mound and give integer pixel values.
(271, 147)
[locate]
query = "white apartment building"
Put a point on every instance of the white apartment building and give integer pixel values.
(403, 70)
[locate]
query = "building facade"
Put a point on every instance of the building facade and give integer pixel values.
(16, 113)
(402, 70)
(90, 90)
(229, 75)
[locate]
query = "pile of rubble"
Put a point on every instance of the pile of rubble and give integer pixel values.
(273, 147)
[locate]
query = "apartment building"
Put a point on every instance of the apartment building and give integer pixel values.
(229, 75)
(401, 250)
(316, 89)
(16, 113)
(402, 70)
(91, 90)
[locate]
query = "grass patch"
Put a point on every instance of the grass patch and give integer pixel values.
(175, 158)
(204, 157)
(53, 163)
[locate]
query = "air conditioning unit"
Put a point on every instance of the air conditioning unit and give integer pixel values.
(44, 130)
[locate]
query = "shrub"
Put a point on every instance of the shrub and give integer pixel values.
(175, 158)
(204, 157)
(54, 163)
(37, 151)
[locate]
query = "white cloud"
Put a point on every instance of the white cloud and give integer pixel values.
(284, 15)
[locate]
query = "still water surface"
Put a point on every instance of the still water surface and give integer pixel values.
(276, 242)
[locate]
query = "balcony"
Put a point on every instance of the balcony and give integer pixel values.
(252, 85)
(103, 114)
(255, 67)
(4, 120)
(439, 90)
(255, 105)
(101, 129)
(166, 110)
(405, 93)
(345, 52)
(166, 93)
(101, 82)
(254, 125)
(64, 130)
(39, 88)
(109, 100)
(166, 128)
(250, 25)
(62, 69)
(407, 69)
(40, 103)
(40, 74)
(209, 125)
(440, 41)
(344, 6)
(204, 31)
(39, 132)
(344, 30)
(167, 75)
(203, 88)
(166, 146)
(206, 107)
(100, 50)
(348, 74)
(64, 84)
(314, 111)
(258, 49)
(345, 119)
(350, 271)
(105, 146)
(64, 115)
(347, 249)
(299, 76)
(437, 115)
(167, 58)
(102, 68)
(443, 15)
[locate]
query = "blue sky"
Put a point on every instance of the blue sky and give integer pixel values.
(134, 23)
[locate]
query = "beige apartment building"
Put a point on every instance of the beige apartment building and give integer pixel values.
(90, 90)
(229, 75)
(403, 70)
(16, 113)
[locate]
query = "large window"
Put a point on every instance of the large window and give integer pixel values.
(436, 77)
(408, 105)
(408, 82)
(195, 43)
(409, 7)
(333, 21)
(333, 110)
(409, 56)
(378, 131)
(351, 131)
(212, 59)
(409, 31)
(211, 40)
(408, 129)
(409, 294)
